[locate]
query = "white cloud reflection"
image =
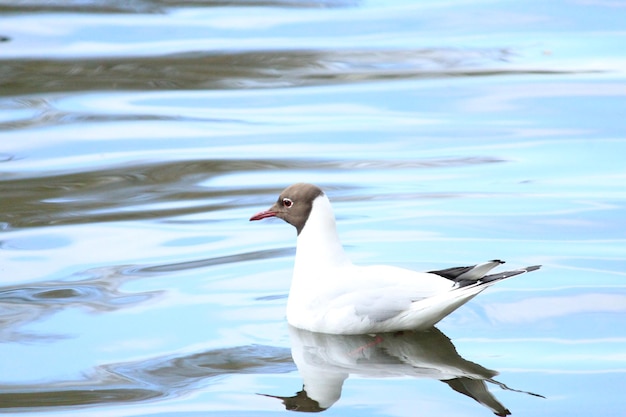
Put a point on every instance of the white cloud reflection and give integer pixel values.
(539, 308)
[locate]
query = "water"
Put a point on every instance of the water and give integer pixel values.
(137, 138)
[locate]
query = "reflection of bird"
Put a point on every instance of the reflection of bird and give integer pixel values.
(331, 295)
(325, 361)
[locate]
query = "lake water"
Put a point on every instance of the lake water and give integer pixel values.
(138, 137)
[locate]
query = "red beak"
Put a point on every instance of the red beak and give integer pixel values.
(263, 215)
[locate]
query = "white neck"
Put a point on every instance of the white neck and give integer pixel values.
(318, 243)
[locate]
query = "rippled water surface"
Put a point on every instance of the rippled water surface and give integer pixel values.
(138, 137)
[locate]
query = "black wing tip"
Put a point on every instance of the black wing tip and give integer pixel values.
(453, 274)
(507, 274)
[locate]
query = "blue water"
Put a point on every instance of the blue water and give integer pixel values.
(136, 140)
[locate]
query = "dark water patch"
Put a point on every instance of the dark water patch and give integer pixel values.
(46, 398)
(420, 163)
(272, 297)
(79, 294)
(220, 260)
(181, 371)
(149, 379)
(254, 69)
(21, 295)
(53, 117)
(96, 196)
(162, 190)
(154, 6)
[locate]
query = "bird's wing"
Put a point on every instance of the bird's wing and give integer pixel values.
(507, 274)
(384, 292)
(468, 274)
(378, 307)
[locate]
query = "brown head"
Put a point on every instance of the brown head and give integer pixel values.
(293, 205)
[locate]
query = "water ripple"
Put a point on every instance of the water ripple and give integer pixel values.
(21, 305)
(221, 260)
(147, 379)
(167, 189)
(256, 69)
(156, 6)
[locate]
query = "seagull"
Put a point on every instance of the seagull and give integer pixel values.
(329, 294)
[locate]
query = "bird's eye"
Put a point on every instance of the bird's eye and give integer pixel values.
(287, 202)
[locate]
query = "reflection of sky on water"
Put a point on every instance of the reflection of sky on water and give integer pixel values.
(541, 308)
(377, 24)
(320, 360)
(445, 133)
(575, 149)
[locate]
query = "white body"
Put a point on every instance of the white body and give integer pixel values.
(331, 295)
